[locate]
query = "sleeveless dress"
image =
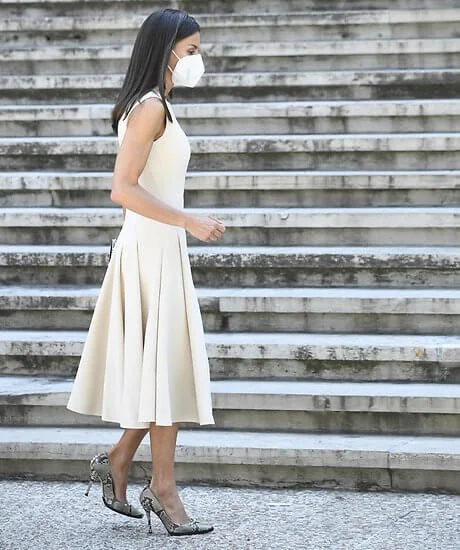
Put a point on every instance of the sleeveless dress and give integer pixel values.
(144, 358)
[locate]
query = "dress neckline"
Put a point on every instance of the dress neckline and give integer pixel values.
(157, 91)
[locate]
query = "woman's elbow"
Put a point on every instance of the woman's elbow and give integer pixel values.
(120, 190)
(117, 194)
(115, 197)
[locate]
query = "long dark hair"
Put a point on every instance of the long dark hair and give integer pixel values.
(149, 58)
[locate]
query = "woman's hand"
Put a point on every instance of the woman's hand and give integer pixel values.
(204, 227)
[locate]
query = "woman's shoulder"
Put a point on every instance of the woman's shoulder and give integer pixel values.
(150, 93)
(147, 95)
(155, 107)
(150, 116)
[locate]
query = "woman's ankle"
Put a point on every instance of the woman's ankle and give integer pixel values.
(163, 488)
(118, 458)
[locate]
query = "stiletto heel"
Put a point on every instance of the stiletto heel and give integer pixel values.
(100, 471)
(90, 484)
(92, 479)
(150, 503)
(149, 520)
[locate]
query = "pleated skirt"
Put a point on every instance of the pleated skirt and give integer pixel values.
(144, 358)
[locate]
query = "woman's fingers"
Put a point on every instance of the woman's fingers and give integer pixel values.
(218, 229)
(208, 227)
(219, 226)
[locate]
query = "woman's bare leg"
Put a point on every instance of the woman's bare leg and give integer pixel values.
(120, 457)
(163, 484)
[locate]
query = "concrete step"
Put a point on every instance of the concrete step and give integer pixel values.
(248, 27)
(377, 462)
(264, 266)
(46, 8)
(244, 56)
(240, 86)
(335, 310)
(122, 7)
(245, 189)
(314, 406)
(276, 355)
(434, 151)
(282, 117)
(428, 226)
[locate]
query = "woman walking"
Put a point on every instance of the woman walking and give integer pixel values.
(144, 363)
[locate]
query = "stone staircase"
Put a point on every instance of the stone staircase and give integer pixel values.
(325, 135)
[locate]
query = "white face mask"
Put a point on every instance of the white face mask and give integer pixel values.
(188, 70)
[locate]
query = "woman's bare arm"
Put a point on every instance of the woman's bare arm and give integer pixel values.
(145, 124)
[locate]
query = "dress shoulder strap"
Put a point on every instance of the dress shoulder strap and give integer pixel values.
(150, 93)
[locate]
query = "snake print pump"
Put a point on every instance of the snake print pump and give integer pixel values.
(100, 471)
(150, 503)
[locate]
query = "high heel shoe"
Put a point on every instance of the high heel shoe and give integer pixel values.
(151, 503)
(100, 471)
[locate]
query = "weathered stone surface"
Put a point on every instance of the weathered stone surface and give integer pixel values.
(270, 395)
(246, 56)
(312, 406)
(245, 189)
(247, 266)
(237, 152)
(331, 304)
(271, 86)
(281, 117)
(267, 455)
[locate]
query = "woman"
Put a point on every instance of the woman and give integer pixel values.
(144, 363)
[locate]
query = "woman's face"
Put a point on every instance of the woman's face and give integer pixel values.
(189, 45)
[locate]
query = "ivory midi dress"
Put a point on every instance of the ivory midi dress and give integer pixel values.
(144, 358)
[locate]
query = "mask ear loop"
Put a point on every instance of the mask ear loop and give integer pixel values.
(177, 58)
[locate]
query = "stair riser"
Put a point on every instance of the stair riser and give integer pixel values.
(331, 160)
(246, 198)
(361, 479)
(249, 236)
(424, 87)
(242, 64)
(144, 7)
(49, 318)
(196, 7)
(243, 125)
(377, 276)
(243, 33)
(249, 419)
(371, 370)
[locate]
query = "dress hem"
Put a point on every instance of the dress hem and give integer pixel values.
(141, 425)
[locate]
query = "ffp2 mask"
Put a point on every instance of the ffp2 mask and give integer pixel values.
(188, 70)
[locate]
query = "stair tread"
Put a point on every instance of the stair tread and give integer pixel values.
(352, 77)
(238, 173)
(387, 46)
(255, 180)
(28, 386)
(265, 338)
(258, 109)
(240, 249)
(337, 17)
(414, 217)
(70, 438)
(244, 292)
(374, 210)
(246, 137)
(335, 301)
